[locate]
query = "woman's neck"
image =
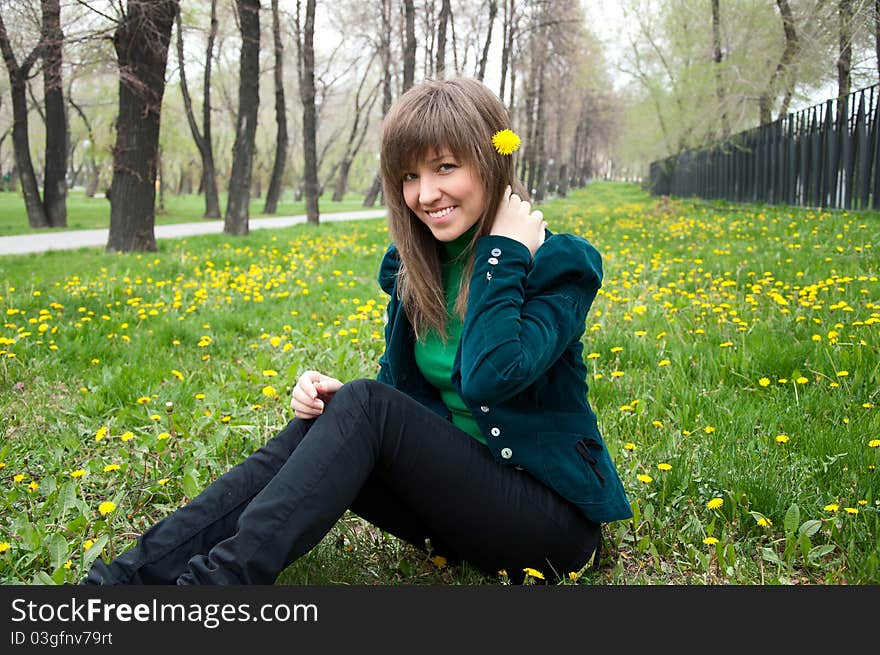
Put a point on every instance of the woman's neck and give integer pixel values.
(454, 248)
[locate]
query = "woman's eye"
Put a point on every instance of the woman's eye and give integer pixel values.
(448, 167)
(409, 176)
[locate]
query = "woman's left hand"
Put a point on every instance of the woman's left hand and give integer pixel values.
(516, 220)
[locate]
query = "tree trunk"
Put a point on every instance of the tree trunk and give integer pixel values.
(54, 181)
(277, 180)
(409, 51)
(18, 76)
(844, 58)
(307, 94)
(237, 206)
(719, 83)
(385, 57)
(141, 41)
(493, 11)
(440, 62)
(767, 97)
(203, 141)
(362, 111)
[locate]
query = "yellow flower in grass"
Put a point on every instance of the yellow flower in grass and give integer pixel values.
(111, 467)
(533, 573)
(33, 486)
(163, 482)
(269, 373)
(663, 466)
(127, 436)
(657, 424)
(4, 546)
(162, 436)
(506, 142)
(177, 374)
(269, 391)
(143, 400)
(646, 479)
(629, 445)
(764, 382)
(709, 429)
(710, 541)
(88, 543)
(68, 564)
(842, 374)
(573, 576)
(781, 438)
(874, 443)
(851, 510)
(78, 473)
(439, 561)
(106, 507)
(715, 503)
(802, 380)
(101, 433)
(764, 522)
(833, 507)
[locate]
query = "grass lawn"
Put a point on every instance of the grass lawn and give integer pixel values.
(84, 213)
(734, 367)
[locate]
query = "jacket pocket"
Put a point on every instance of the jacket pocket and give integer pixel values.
(570, 465)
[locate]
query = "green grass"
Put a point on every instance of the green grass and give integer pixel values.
(84, 213)
(734, 368)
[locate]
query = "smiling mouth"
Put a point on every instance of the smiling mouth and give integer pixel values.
(440, 213)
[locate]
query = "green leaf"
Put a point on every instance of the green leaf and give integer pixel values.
(820, 551)
(810, 528)
(57, 547)
(769, 555)
(637, 513)
(30, 537)
(66, 498)
(191, 484)
(92, 553)
(805, 545)
(42, 578)
(792, 519)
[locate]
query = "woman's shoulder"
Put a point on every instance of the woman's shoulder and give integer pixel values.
(388, 269)
(566, 257)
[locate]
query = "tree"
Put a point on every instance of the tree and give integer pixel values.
(385, 60)
(237, 206)
(281, 139)
(55, 172)
(141, 42)
(18, 77)
(307, 96)
(409, 50)
(202, 138)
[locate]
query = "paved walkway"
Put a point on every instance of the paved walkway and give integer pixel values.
(73, 239)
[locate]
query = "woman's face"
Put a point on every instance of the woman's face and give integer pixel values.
(445, 193)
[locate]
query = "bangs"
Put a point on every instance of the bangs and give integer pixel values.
(428, 123)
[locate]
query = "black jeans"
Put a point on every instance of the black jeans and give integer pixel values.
(387, 458)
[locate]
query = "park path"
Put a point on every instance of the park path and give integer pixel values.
(73, 239)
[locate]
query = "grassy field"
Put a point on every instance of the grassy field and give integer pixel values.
(735, 371)
(84, 213)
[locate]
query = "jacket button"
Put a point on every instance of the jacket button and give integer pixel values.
(484, 409)
(496, 252)
(495, 432)
(506, 453)
(492, 260)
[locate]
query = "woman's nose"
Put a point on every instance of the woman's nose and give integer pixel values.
(429, 190)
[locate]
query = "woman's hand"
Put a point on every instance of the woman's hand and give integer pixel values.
(516, 220)
(312, 392)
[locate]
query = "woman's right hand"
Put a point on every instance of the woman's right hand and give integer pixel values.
(311, 394)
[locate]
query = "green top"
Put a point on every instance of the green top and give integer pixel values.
(433, 357)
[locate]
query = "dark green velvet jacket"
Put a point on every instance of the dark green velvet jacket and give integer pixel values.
(519, 365)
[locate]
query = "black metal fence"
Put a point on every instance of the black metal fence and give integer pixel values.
(817, 157)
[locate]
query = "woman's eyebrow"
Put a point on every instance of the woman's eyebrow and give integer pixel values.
(444, 155)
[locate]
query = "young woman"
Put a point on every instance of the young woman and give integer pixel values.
(477, 434)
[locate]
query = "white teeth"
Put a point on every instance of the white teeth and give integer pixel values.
(441, 213)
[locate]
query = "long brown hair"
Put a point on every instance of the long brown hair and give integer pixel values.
(461, 115)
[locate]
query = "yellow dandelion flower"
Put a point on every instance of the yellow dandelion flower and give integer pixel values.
(867, 405)
(127, 436)
(573, 576)
(657, 424)
(162, 436)
(842, 374)
(111, 467)
(177, 374)
(269, 391)
(269, 373)
(629, 445)
(646, 479)
(874, 443)
(715, 503)
(2, 465)
(106, 507)
(199, 396)
(663, 362)
(506, 142)
(18, 477)
(851, 510)
(68, 564)
(33, 486)
(781, 438)
(709, 429)
(593, 356)
(78, 473)
(802, 380)
(163, 482)
(764, 522)
(833, 507)
(533, 573)
(616, 374)
(155, 417)
(439, 561)
(225, 419)
(143, 400)
(764, 382)
(663, 466)
(710, 541)
(4, 546)
(101, 433)
(88, 543)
